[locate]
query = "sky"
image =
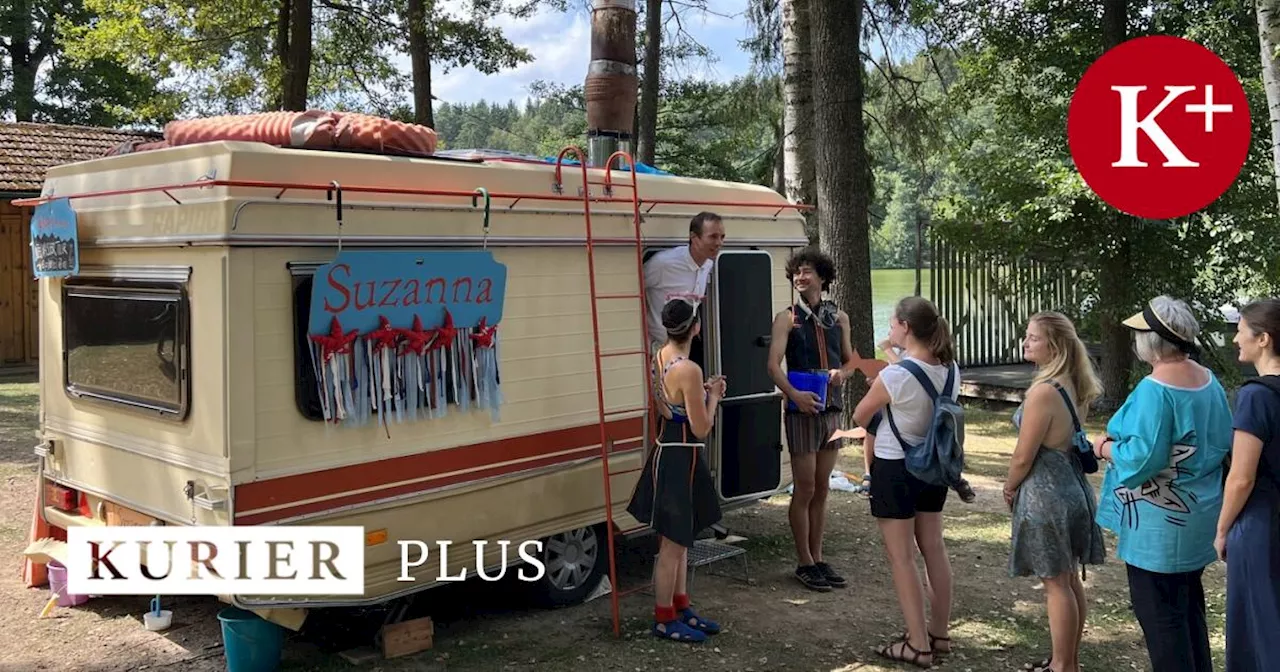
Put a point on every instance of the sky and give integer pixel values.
(560, 43)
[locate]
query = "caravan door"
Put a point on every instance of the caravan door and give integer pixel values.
(746, 444)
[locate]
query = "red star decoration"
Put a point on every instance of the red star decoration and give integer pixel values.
(416, 339)
(335, 342)
(484, 336)
(446, 332)
(384, 336)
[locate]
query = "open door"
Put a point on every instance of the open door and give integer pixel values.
(747, 443)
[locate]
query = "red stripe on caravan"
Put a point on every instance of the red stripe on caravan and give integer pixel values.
(370, 475)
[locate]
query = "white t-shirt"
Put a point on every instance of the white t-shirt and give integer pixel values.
(667, 275)
(912, 408)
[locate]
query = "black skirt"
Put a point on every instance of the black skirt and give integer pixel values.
(675, 494)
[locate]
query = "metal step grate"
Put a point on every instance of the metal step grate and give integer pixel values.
(707, 551)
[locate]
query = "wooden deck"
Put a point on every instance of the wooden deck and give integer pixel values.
(1006, 383)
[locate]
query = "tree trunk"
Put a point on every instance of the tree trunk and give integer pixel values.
(780, 159)
(293, 47)
(1269, 37)
(275, 99)
(1115, 298)
(920, 217)
(24, 62)
(647, 120)
(24, 86)
(842, 168)
(798, 103)
(420, 61)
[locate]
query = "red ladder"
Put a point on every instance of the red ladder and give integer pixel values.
(615, 593)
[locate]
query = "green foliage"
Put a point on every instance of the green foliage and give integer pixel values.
(63, 91)
(1013, 191)
(544, 126)
(220, 57)
(215, 55)
(723, 131)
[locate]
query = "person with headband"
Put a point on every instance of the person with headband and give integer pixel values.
(1162, 491)
(675, 494)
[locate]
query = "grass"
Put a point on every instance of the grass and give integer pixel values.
(19, 406)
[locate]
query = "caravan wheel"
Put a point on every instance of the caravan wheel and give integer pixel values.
(575, 562)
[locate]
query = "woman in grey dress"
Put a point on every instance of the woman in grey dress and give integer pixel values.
(1053, 504)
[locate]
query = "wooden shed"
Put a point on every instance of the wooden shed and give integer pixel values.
(27, 150)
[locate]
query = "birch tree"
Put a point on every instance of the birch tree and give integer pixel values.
(1269, 39)
(798, 119)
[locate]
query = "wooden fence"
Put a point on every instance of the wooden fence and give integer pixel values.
(987, 301)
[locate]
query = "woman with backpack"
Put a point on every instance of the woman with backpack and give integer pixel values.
(1248, 536)
(1052, 501)
(1162, 491)
(908, 510)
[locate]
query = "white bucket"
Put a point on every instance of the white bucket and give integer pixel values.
(157, 622)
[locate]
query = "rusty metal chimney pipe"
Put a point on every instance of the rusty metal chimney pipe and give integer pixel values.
(611, 86)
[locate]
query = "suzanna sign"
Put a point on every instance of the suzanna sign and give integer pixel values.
(404, 333)
(360, 287)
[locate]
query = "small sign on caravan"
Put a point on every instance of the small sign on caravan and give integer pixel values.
(55, 245)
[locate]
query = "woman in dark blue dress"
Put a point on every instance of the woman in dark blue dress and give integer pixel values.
(1249, 527)
(676, 495)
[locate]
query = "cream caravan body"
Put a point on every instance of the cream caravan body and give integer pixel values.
(178, 386)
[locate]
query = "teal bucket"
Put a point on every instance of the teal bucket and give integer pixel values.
(251, 643)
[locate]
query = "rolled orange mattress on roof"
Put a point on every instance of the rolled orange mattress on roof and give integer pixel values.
(313, 129)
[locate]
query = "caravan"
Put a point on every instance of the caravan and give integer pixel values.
(263, 335)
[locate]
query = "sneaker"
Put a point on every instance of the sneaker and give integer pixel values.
(812, 578)
(833, 579)
(966, 492)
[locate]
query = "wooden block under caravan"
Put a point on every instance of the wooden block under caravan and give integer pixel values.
(402, 639)
(34, 572)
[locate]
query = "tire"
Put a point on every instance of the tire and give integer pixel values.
(576, 561)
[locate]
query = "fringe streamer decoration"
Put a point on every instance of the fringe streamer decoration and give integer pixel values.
(393, 374)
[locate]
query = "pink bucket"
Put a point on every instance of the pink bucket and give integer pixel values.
(58, 585)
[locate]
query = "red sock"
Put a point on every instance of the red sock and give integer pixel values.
(664, 614)
(681, 602)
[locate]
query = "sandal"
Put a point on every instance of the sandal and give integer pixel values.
(677, 631)
(693, 620)
(933, 643)
(886, 651)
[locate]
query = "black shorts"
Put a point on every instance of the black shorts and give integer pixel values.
(895, 493)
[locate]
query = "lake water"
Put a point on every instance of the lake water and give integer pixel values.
(888, 286)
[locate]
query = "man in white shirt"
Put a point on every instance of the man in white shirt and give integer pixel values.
(682, 272)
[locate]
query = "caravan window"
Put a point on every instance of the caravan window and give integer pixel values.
(306, 396)
(127, 343)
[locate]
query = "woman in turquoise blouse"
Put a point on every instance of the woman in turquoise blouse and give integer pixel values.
(1162, 492)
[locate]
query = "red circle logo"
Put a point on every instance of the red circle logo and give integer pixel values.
(1159, 127)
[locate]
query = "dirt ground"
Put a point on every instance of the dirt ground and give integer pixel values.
(771, 622)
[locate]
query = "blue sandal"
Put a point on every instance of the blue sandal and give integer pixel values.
(693, 620)
(677, 631)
